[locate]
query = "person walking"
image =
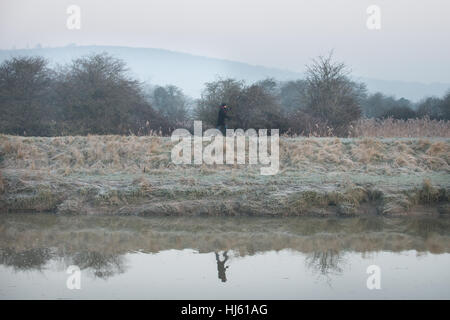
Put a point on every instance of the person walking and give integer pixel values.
(221, 125)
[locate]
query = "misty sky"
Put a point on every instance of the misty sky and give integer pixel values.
(413, 43)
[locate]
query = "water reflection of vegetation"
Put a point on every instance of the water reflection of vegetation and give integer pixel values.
(326, 263)
(99, 243)
(100, 264)
(103, 265)
(34, 258)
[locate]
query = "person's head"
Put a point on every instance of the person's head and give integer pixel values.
(223, 105)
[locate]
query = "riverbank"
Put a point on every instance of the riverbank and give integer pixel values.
(130, 175)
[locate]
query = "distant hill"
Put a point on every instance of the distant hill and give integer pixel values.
(190, 72)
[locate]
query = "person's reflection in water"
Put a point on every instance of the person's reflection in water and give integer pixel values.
(221, 268)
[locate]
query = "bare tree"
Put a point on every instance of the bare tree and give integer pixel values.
(171, 104)
(251, 106)
(25, 83)
(97, 95)
(331, 96)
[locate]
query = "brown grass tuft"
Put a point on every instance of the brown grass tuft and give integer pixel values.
(438, 148)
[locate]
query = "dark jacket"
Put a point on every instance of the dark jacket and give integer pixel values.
(222, 117)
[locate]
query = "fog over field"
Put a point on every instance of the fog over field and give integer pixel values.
(407, 57)
(190, 72)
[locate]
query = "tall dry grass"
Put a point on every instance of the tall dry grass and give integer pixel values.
(393, 128)
(135, 154)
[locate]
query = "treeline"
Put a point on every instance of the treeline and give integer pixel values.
(378, 105)
(96, 95)
(91, 95)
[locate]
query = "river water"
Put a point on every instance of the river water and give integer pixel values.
(223, 258)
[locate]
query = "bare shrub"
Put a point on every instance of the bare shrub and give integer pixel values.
(331, 96)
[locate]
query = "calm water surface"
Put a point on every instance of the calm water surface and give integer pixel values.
(223, 258)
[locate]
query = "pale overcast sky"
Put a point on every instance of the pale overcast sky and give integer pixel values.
(413, 43)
